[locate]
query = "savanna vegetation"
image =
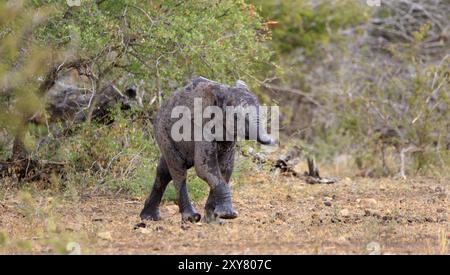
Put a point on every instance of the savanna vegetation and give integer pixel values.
(363, 90)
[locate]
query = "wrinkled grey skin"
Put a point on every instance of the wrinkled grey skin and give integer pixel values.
(213, 160)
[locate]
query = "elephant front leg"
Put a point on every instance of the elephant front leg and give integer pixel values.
(210, 206)
(208, 169)
(218, 205)
(178, 172)
(222, 198)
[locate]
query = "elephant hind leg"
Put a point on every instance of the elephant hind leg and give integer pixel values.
(178, 170)
(188, 212)
(162, 179)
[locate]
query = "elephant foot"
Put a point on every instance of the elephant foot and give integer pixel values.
(223, 207)
(225, 211)
(150, 215)
(190, 216)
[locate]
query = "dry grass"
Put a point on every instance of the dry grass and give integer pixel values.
(278, 215)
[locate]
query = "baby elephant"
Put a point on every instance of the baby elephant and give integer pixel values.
(213, 158)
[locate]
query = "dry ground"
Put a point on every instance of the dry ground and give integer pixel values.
(278, 215)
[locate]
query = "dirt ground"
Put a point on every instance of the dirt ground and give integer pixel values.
(279, 215)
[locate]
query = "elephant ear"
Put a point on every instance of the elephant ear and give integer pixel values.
(241, 84)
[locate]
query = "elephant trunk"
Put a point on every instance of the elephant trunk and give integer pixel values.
(262, 136)
(265, 139)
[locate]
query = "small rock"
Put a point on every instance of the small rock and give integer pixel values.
(342, 240)
(106, 235)
(144, 230)
(369, 203)
(344, 213)
(172, 209)
(372, 212)
(280, 216)
(73, 227)
(442, 196)
(159, 229)
(140, 225)
(440, 210)
(185, 226)
(335, 220)
(347, 180)
(97, 219)
(327, 203)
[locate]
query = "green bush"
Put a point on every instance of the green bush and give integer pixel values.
(157, 45)
(412, 103)
(163, 43)
(22, 61)
(304, 24)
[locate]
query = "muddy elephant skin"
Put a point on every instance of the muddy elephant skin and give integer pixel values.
(213, 160)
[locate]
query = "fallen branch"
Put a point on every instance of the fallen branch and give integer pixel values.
(285, 166)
